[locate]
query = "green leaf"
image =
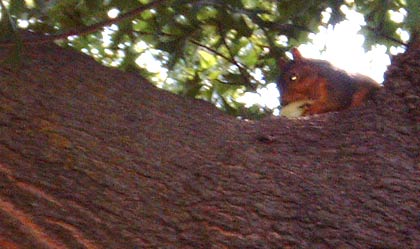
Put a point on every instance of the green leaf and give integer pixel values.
(9, 33)
(17, 7)
(413, 17)
(233, 79)
(207, 60)
(250, 55)
(235, 31)
(175, 48)
(192, 87)
(93, 4)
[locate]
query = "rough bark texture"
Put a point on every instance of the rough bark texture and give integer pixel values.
(91, 157)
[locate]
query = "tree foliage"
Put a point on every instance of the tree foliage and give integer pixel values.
(214, 50)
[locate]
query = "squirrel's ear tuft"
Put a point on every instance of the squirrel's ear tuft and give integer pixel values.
(296, 54)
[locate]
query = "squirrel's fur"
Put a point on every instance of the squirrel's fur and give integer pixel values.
(328, 88)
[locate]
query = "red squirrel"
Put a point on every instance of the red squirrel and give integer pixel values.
(323, 87)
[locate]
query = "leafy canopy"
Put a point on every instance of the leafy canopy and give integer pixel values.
(214, 50)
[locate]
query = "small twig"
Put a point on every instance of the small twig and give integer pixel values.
(231, 60)
(86, 30)
(242, 70)
(378, 33)
(232, 57)
(211, 50)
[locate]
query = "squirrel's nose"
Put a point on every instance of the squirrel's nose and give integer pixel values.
(284, 102)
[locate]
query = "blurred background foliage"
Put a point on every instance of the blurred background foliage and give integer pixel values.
(215, 50)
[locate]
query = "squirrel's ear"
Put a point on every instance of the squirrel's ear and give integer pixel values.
(296, 54)
(281, 63)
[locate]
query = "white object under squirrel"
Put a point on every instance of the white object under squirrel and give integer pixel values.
(295, 109)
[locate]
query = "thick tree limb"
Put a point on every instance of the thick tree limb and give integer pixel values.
(93, 157)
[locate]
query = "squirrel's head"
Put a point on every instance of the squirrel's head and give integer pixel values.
(299, 80)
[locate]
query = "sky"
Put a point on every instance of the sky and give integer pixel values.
(342, 46)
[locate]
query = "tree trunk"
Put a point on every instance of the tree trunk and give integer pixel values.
(91, 157)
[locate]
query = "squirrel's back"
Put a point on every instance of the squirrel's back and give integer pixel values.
(325, 86)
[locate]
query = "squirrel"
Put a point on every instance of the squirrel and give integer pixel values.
(319, 87)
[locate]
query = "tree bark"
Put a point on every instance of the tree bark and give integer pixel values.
(91, 157)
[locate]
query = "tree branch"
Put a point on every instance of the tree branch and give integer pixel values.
(211, 50)
(88, 29)
(242, 70)
(376, 32)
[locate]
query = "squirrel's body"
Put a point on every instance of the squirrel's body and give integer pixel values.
(326, 87)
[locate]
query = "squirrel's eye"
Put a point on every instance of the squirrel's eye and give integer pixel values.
(293, 77)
